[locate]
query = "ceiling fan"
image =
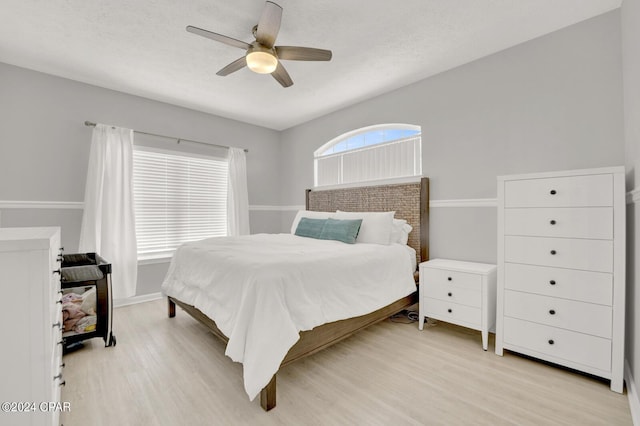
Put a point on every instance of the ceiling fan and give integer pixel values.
(262, 56)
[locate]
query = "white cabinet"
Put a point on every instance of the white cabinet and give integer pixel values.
(461, 293)
(31, 322)
(561, 269)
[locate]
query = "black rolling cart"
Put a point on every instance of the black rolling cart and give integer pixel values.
(87, 305)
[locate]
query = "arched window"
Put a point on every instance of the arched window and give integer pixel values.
(383, 151)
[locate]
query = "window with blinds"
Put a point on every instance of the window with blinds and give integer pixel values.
(179, 197)
(379, 152)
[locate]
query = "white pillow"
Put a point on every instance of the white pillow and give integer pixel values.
(311, 215)
(400, 230)
(375, 228)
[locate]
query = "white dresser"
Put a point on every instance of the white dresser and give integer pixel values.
(31, 322)
(561, 269)
(462, 293)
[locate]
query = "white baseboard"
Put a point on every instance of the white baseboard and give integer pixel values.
(632, 394)
(118, 303)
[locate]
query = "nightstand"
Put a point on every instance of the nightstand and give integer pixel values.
(462, 293)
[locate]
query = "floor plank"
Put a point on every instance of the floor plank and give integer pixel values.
(174, 372)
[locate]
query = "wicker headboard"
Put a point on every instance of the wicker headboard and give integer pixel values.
(409, 200)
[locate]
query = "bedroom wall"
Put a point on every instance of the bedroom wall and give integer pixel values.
(44, 150)
(630, 24)
(553, 103)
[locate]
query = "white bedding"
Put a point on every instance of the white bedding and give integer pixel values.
(263, 289)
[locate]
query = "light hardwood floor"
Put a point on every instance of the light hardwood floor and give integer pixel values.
(174, 372)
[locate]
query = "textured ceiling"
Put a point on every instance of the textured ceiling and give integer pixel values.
(141, 47)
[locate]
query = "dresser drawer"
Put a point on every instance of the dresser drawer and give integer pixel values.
(57, 376)
(590, 255)
(56, 363)
(56, 309)
(56, 318)
(432, 276)
(54, 286)
(571, 191)
(584, 286)
(452, 312)
(452, 293)
(559, 344)
(583, 222)
(568, 314)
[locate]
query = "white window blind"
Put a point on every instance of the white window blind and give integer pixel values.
(178, 198)
(400, 158)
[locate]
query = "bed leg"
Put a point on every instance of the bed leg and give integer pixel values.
(172, 308)
(268, 395)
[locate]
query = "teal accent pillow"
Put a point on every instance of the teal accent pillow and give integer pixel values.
(311, 228)
(329, 229)
(341, 230)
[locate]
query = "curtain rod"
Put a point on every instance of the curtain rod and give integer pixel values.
(91, 124)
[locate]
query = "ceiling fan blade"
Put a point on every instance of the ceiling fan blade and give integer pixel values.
(233, 66)
(218, 37)
(282, 76)
(296, 53)
(269, 24)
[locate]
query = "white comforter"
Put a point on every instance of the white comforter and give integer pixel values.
(263, 289)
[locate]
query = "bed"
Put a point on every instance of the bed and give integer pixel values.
(320, 329)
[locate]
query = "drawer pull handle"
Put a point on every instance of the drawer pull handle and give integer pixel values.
(552, 222)
(56, 325)
(552, 282)
(448, 278)
(59, 376)
(449, 310)
(553, 192)
(551, 342)
(553, 252)
(63, 383)
(552, 311)
(63, 365)
(57, 271)
(449, 294)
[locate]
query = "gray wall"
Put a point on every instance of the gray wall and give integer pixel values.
(630, 20)
(44, 149)
(553, 103)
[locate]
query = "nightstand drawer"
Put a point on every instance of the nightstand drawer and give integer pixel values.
(452, 293)
(589, 255)
(452, 312)
(571, 191)
(584, 286)
(432, 277)
(594, 223)
(583, 317)
(555, 344)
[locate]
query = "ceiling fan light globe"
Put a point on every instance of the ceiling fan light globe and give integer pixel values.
(261, 62)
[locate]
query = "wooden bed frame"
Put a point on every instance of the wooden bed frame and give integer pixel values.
(410, 201)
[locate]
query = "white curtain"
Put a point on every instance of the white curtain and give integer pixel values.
(108, 222)
(237, 194)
